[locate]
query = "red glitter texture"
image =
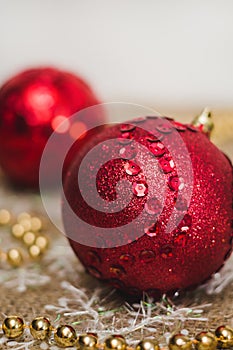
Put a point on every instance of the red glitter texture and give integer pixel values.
(159, 262)
(31, 106)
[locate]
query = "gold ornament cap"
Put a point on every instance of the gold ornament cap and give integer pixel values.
(204, 122)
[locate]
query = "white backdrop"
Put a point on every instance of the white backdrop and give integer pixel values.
(166, 54)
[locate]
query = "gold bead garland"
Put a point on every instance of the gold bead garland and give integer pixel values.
(27, 229)
(65, 336)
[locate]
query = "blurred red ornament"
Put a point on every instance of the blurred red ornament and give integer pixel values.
(32, 105)
(131, 248)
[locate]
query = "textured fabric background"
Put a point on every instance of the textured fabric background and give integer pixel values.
(58, 287)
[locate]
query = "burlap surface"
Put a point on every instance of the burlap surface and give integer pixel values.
(59, 288)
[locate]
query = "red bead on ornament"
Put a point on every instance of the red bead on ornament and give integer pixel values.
(164, 222)
(33, 105)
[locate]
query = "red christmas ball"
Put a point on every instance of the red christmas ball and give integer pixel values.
(32, 105)
(148, 206)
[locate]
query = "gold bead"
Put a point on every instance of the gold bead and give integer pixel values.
(180, 342)
(34, 251)
(5, 217)
(13, 327)
(205, 341)
(65, 336)
(26, 223)
(147, 344)
(40, 328)
(87, 341)
(42, 242)
(36, 224)
(14, 257)
(17, 230)
(29, 238)
(23, 216)
(115, 342)
(224, 336)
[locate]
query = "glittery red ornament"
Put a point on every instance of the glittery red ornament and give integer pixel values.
(32, 105)
(156, 223)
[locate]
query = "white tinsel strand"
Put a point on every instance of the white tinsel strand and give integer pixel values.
(221, 279)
